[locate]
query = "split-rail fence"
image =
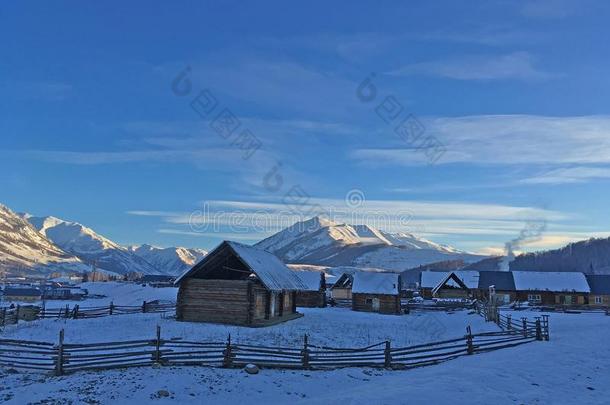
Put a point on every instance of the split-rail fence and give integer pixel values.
(63, 357)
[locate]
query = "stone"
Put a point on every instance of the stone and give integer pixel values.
(162, 393)
(251, 369)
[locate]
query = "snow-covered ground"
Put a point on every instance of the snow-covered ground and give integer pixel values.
(573, 367)
(339, 327)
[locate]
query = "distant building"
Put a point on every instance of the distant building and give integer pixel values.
(158, 280)
(454, 284)
(496, 285)
(238, 284)
(342, 288)
(60, 292)
(376, 292)
(314, 293)
(600, 290)
(551, 288)
(22, 293)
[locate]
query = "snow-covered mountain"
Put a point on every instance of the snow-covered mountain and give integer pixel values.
(90, 247)
(172, 260)
(23, 250)
(319, 241)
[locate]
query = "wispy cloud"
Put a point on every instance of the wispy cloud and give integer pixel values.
(508, 140)
(579, 174)
(232, 236)
(517, 65)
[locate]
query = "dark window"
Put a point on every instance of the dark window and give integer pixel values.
(368, 301)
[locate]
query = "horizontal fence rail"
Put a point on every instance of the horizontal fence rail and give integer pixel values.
(539, 328)
(66, 357)
(10, 316)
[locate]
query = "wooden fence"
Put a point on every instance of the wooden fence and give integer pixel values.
(9, 316)
(62, 357)
(491, 313)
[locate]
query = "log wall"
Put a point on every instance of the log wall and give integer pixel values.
(311, 299)
(341, 293)
(221, 301)
(388, 304)
(551, 298)
(238, 302)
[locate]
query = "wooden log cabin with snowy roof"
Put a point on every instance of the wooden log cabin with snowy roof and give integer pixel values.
(314, 294)
(551, 288)
(238, 284)
(376, 292)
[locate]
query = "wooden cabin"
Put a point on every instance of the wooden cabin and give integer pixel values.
(428, 280)
(496, 286)
(314, 295)
(452, 287)
(238, 284)
(342, 288)
(22, 294)
(453, 284)
(600, 290)
(551, 288)
(376, 292)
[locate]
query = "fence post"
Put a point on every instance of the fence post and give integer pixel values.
(67, 311)
(469, 345)
(42, 310)
(3, 316)
(524, 324)
(228, 357)
(545, 319)
(509, 321)
(387, 355)
(59, 362)
(144, 307)
(111, 308)
(75, 312)
(538, 329)
(17, 313)
(158, 345)
(305, 353)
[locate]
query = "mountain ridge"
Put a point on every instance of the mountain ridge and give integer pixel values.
(319, 241)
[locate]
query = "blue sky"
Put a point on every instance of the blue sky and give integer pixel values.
(514, 94)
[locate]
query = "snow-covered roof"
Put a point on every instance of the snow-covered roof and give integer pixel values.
(468, 277)
(375, 283)
(600, 284)
(501, 280)
(312, 279)
(550, 281)
(22, 291)
(270, 270)
(451, 279)
(430, 279)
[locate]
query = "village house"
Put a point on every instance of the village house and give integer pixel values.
(376, 292)
(238, 284)
(314, 293)
(21, 294)
(457, 284)
(158, 280)
(497, 286)
(429, 279)
(600, 290)
(342, 288)
(551, 288)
